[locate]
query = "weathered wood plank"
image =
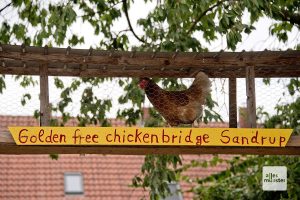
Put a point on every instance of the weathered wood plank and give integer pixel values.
(123, 59)
(44, 97)
(161, 64)
(141, 150)
(232, 103)
(6, 137)
(8, 146)
(183, 73)
(250, 92)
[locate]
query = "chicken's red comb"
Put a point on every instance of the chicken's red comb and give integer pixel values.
(143, 82)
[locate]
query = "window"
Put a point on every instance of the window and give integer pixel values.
(175, 192)
(73, 183)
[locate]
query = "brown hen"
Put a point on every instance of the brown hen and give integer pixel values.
(178, 107)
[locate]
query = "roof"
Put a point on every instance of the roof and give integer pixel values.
(27, 60)
(7, 120)
(105, 176)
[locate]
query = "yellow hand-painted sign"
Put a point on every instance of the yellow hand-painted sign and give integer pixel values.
(150, 136)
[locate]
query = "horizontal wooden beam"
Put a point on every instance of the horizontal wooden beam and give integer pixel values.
(142, 150)
(7, 146)
(122, 59)
(179, 73)
(87, 63)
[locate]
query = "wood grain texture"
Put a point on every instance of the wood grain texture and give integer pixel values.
(83, 63)
(232, 103)
(251, 99)
(8, 146)
(142, 150)
(44, 97)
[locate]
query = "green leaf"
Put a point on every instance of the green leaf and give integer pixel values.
(17, 3)
(58, 83)
(26, 81)
(25, 99)
(54, 156)
(5, 32)
(19, 30)
(2, 84)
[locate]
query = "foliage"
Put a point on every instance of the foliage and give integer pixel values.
(2, 84)
(158, 171)
(170, 26)
(288, 114)
(243, 179)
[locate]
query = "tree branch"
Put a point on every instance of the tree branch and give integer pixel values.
(116, 3)
(5, 7)
(125, 30)
(203, 14)
(129, 23)
(293, 18)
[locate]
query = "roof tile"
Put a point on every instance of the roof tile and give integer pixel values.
(37, 176)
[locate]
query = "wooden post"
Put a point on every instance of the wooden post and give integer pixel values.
(232, 103)
(44, 97)
(250, 91)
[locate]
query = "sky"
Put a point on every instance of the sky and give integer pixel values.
(258, 40)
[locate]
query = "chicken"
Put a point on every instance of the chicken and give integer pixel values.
(178, 107)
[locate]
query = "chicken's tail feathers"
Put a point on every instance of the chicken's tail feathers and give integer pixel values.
(203, 84)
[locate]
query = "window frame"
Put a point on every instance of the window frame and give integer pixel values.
(65, 183)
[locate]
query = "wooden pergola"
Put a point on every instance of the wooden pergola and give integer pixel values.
(45, 61)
